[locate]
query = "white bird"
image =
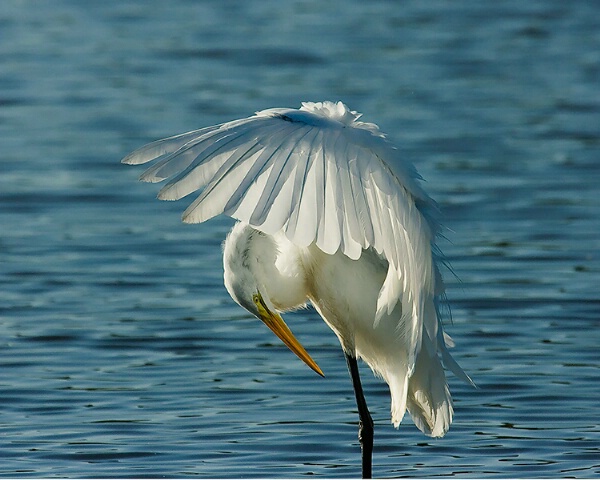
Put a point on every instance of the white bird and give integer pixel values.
(329, 214)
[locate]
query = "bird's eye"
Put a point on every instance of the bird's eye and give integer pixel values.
(256, 299)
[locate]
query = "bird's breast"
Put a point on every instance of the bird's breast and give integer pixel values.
(345, 291)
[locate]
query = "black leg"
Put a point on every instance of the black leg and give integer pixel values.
(365, 425)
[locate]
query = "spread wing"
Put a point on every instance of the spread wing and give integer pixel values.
(322, 177)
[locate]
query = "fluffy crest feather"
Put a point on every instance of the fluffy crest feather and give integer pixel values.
(340, 112)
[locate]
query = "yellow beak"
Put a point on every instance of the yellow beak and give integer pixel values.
(278, 327)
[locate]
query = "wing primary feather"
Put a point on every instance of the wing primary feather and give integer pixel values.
(375, 211)
(358, 191)
(387, 229)
(175, 160)
(330, 230)
(278, 175)
(223, 176)
(237, 160)
(302, 224)
(353, 234)
(286, 195)
(318, 172)
(254, 170)
(339, 152)
(193, 177)
(214, 198)
(168, 149)
(258, 165)
(248, 184)
(164, 146)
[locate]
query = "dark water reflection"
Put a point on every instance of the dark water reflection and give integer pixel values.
(121, 353)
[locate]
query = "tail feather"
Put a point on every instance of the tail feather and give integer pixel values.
(399, 398)
(428, 399)
(444, 341)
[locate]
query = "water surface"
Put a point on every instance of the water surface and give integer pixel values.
(122, 354)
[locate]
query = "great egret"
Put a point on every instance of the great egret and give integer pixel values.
(329, 213)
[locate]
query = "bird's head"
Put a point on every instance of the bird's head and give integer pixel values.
(245, 281)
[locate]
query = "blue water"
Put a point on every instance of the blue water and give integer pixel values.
(121, 354)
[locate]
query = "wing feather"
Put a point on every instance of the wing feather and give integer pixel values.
(278, 177)
(360, 201)
(302, 224)
(246, 190)
(320, 176)
(329, 235)
(353, 232)
(163, 147)
(213, 155)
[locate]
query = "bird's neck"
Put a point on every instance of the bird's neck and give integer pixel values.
(276, 265)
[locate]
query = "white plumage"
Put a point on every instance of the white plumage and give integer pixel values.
(345, 225)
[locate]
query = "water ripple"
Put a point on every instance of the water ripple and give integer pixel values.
(122, 354)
